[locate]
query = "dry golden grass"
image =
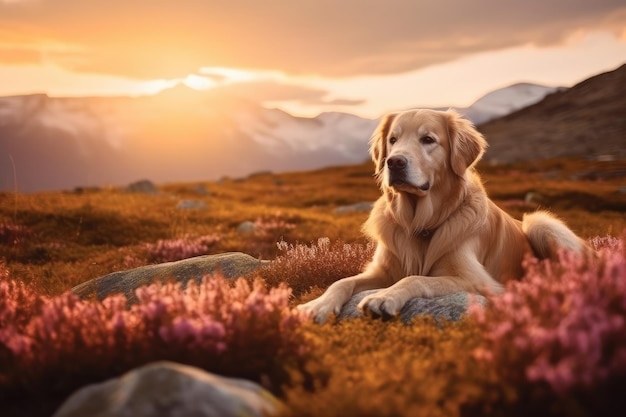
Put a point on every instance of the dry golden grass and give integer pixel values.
(65, 238)
(389, 369)
(58, 240)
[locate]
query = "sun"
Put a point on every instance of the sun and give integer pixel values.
(198, 82)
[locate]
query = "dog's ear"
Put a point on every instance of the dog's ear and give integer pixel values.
(378, 143)
(467, 145)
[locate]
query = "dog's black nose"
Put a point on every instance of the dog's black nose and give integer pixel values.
(397, 163)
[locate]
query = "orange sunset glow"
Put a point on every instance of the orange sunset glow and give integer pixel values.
(312, 208)
(200, 89)
(307, 57)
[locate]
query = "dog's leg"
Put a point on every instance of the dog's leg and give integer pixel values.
(340, 292)
(389, 302)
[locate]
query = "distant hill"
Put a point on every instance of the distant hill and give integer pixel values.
(51, 143)
(505, 100)
(586, 120)
(61, 143)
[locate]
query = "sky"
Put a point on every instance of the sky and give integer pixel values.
(363, 57)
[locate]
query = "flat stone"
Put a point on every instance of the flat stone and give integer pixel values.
(246, 228)
(362, 207)
(142, 187)
(191, 205)
(230, 264)
(448, 307)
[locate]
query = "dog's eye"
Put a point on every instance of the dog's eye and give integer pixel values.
(393, 140)
(427, 140)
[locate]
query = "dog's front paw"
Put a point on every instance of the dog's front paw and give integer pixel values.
(320, 309)
(382, 304)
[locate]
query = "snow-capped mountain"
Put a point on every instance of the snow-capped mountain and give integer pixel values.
(506, 100)
(59, 143)
(283, 134)
(183, 135)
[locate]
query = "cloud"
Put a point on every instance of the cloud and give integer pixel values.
(14, 56)
(164, 39)
(278, 91)
(270, 91)
(343, 102)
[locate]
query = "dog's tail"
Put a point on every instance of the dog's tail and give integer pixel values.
(548, 235)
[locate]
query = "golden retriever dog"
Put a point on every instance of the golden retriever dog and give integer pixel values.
(436, 230)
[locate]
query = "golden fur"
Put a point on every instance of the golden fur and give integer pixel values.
(436, 230)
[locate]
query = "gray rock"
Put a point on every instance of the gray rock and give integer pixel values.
(449, 307)
(201, 189)
(86, 190)
(246, 228)
(170, 389)
(230, 264)
(143, 187)
(191, 205)
(358, 207)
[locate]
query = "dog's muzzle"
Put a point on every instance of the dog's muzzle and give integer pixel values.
(398, 173)
(397, 166)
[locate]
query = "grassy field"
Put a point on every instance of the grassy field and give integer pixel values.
(53, 241)
(59, 239)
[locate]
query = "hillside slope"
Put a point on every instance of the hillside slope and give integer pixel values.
(587, 120)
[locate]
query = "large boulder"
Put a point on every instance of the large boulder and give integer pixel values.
(170, 389)
(230, 265)
(446, 308)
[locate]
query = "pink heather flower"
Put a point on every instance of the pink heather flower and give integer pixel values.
(606, 242)
(17, 343)
(64, 335)
(181, 329)
(12, 234)
(167, 250)
(272, 226)
(563, 324)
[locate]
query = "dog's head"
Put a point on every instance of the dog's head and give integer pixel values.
(414, 149)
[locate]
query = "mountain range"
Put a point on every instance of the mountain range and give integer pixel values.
(587, 120)
(50, 143)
